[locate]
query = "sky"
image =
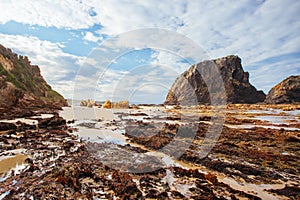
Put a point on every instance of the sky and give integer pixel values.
(104, 49)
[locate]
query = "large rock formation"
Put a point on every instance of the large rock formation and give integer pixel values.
(190, 85)
(22, 85)
(287, 91)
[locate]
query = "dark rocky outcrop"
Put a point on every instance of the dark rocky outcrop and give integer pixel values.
(287, 91)
(55, 122)
(190, 85)
(22, 85)
(7, 126)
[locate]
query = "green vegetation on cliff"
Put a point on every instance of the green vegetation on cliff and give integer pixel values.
(17, 74)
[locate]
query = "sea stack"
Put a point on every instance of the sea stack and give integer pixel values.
(236, 82)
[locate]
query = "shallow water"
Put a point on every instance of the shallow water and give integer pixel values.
(114, 133)
(248, 126)
(2, 196)
(9, 162)
(31, 121)
(101, 135)
(43, 116)
(273, 117)
(276, 119)
(258, 190)
(106, 121)
(23, 120)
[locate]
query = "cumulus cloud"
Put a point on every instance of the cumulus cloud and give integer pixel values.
(57, 67)
(176, 63)
(62, 14)
(145, 81)
(260, 73)
(89, 36)
(254, 30)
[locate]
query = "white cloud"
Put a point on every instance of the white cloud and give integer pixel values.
(173, 61)
(277, 71)
(254, 30)
(150, 81)
(56, 66)
(145, 81)
(89, 36)
(61, 14)
(64, 87)
(120, 16)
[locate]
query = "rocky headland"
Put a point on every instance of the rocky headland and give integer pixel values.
(23, 90)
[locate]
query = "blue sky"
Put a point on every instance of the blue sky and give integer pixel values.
(61, 37)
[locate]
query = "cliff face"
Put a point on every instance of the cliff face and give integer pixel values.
(236, 83)
(287, 91)
(22, 85)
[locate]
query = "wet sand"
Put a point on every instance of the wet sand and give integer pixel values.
(10, 162)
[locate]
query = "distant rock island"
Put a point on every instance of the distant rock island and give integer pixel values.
(22, 86)
(236, 83)
(287, 91)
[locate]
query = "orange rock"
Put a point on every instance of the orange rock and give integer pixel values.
(107, 104)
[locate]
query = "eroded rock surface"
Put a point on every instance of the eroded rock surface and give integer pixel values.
(287, 91)
(191, 88)
(22, 86)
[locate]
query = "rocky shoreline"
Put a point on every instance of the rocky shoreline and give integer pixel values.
(60, 165)
(149, 151)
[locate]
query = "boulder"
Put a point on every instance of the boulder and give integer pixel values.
(83, 103)
(88, 103)
(120, 104)
(55, 122)
(107, 104)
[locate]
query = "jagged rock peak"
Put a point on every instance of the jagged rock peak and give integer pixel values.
(190, 85)
(285, 92)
